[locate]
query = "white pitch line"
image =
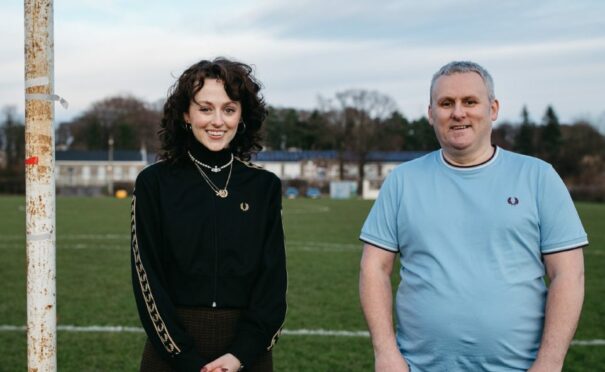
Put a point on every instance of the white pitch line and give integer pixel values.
(100, 245)
(588, 342)
(325, 332)
(288, 332)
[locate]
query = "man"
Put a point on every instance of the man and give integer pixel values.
(477, 228)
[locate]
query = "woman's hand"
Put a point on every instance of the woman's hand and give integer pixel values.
(226, 363)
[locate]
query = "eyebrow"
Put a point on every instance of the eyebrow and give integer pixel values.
(471, 96)
(210, 103)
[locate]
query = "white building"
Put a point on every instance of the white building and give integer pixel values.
(92, 173)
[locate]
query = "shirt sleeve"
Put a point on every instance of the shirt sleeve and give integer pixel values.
(261, 323)
(156, 310)
(380, 227)
(560, 225)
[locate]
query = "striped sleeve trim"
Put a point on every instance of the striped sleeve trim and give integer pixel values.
(249, 164)
(277, 334)
(156, 319)
(377, 245)
(275, 338)
(565, 249)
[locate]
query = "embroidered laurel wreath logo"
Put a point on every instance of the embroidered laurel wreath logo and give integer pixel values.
(513, 200)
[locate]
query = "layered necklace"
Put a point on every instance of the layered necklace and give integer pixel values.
(214, 169)
(222, 193)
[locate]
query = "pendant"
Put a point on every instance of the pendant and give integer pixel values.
(216, 169)
(223, 193)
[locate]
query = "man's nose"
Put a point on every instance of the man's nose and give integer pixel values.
(458, 113)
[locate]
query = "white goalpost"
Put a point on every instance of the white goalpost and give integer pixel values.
(40, 186)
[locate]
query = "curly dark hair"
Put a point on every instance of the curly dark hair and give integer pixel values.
(240, 86)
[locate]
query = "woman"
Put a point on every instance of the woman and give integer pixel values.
(208, 259)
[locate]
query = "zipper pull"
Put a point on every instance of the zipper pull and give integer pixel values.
(213, 303)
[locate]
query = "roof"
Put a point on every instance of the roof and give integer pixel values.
(373, 156)
(264, 156)
(294, 155)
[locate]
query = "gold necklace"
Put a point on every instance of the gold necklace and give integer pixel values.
(223, 193)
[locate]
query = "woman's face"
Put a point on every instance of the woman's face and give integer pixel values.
(213, 116)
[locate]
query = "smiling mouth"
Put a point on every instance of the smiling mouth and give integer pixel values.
(460, 127)
(215, 133)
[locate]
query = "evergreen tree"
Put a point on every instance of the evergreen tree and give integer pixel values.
(552, 139)
(524, 141)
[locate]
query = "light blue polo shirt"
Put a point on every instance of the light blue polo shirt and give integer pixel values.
(471, 240)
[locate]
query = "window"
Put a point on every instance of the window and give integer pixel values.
(101, 171)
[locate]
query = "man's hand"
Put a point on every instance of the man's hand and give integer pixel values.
(390, 362)
(226, 363)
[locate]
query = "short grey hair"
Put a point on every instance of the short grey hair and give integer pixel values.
(457, 67)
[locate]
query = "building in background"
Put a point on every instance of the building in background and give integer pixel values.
(321, 169)
(92, 173)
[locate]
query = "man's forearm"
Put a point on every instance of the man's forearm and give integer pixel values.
(377, 304)
(563, 307)
(376, 297)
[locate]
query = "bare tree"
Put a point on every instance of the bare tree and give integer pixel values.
(131, 123)
(357, 117)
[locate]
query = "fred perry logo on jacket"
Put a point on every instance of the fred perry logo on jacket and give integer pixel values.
(512, 200)
(244, 206)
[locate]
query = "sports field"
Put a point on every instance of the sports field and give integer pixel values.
(325, 330)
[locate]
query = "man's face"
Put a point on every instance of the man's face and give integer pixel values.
(462, 114)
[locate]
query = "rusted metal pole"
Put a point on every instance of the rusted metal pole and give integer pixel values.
(40, 186)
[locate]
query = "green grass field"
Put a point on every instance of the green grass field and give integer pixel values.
(93, 285)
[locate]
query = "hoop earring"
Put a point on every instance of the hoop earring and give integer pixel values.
(241, 129)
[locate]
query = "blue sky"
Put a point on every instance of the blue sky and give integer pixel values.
(539, 52)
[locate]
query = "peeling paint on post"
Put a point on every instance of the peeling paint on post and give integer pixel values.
(40, 187)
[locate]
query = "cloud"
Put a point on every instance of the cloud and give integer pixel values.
(307, 48)
(440, 22)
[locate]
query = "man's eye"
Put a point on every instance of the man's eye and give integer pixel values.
(470, 102)
(446, 104)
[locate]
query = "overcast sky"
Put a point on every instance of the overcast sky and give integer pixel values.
(539, 52)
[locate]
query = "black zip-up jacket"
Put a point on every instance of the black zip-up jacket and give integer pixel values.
(191, 248)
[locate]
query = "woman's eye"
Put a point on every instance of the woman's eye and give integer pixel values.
(204, 109)
(230, 110)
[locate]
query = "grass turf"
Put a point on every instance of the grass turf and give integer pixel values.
(93, 286)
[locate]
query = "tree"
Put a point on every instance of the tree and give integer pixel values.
(525, 139)
(504, 135)
(13, 141)
(551, 136)
(356, 122)
(582, 158)
(393, 133)
(12, 146)
(420, 136)
(131, 123)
